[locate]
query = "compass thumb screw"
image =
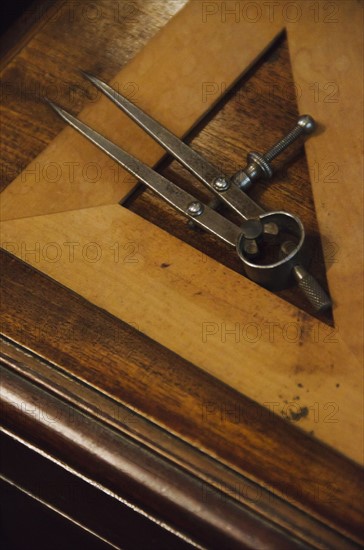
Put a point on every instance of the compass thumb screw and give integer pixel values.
(259, 165)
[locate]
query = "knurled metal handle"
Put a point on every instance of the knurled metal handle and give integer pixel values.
(313, 291)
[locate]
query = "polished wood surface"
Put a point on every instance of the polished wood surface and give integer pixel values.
(153, 80)
(183, 400)
(335, 75)
(71, 333)
(263, 101)
(162, 287)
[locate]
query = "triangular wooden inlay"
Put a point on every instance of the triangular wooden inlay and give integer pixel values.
(259, 110)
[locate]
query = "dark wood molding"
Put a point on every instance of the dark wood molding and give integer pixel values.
(129, 471)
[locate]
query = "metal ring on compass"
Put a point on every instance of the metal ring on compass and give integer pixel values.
(275, 275)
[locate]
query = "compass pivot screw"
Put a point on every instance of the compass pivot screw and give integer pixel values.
(195, 208)
(221, 184)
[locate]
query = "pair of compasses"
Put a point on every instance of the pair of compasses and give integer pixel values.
(271, 245)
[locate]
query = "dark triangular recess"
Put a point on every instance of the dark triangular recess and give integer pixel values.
(256, 113)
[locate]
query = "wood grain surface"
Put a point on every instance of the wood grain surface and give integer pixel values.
(159, 80)
(166, 301)
(115, 357)
(334, 72)
(160, 285)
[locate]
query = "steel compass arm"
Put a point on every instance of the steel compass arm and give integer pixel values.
(258, 228)
(210, 176)
(204, 216)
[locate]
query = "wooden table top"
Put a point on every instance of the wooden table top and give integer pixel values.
(96, 361)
